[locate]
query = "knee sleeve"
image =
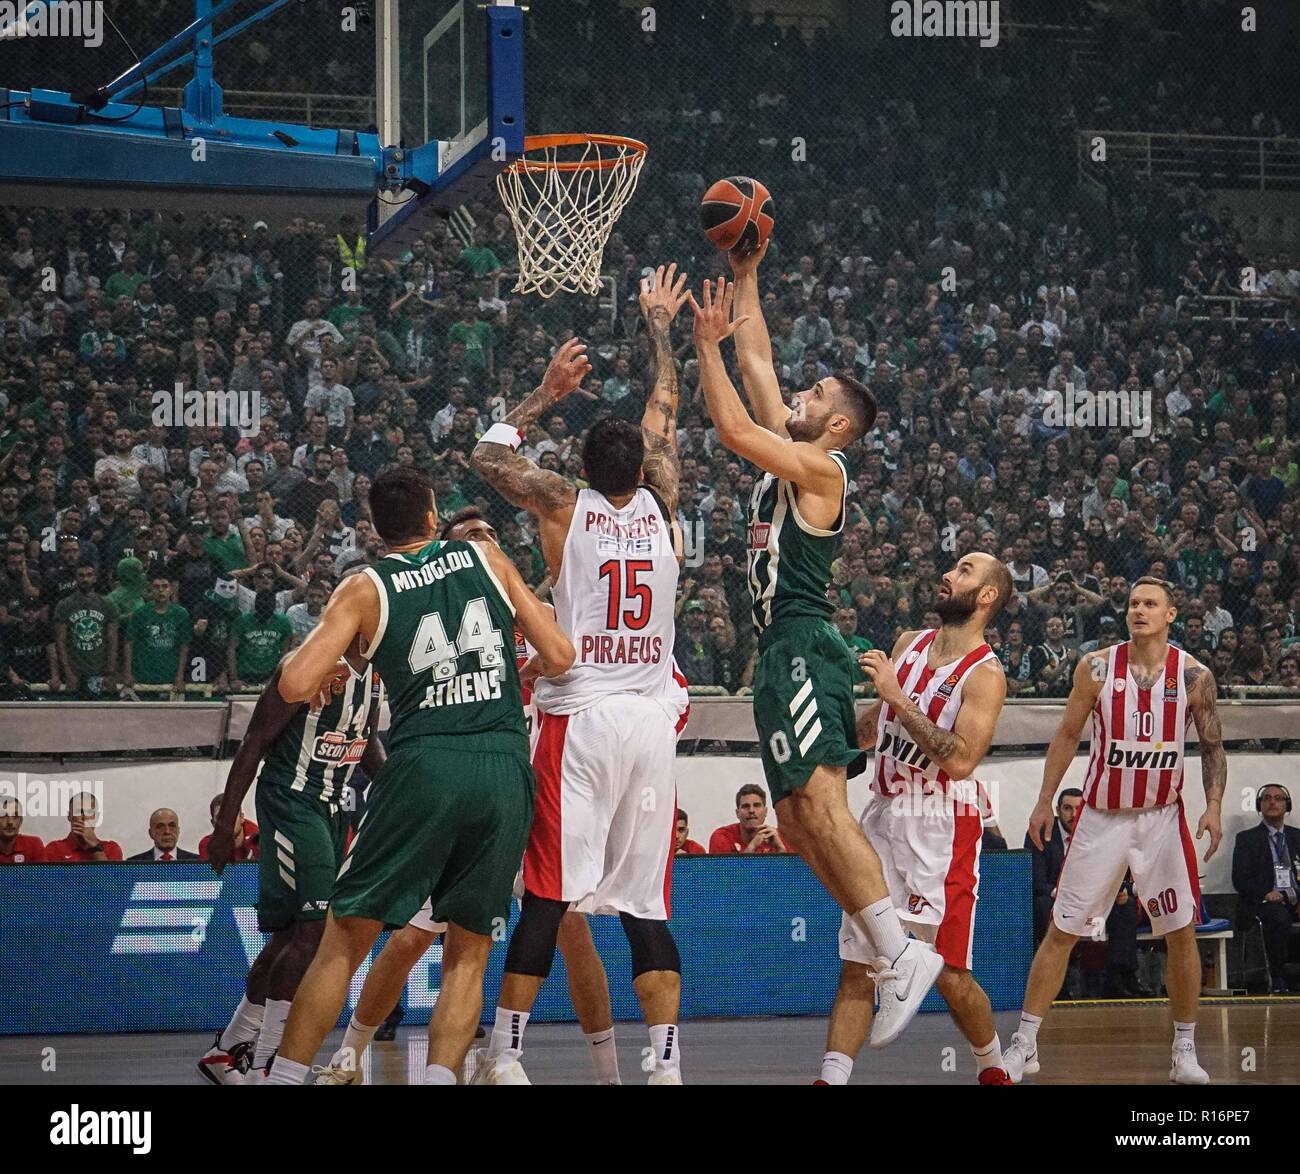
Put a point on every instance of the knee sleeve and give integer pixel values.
(652, 945)
(532, 945)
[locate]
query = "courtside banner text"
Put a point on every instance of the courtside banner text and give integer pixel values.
(166, 947)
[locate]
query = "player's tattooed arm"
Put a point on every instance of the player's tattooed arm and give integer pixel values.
(661, 297)
(1098, 666)
(1202, 700)
(520, 481)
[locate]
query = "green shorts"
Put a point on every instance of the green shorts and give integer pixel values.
(300, 841)
(803, 702)
(446, 818)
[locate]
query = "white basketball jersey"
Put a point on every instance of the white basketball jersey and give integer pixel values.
(901, 765)
(614, 599)
(1138, 737)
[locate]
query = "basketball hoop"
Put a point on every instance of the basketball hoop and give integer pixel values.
(563, 195)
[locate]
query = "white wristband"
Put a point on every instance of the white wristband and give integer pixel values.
(502, 433)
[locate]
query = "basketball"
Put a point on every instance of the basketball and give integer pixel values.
(737, 213)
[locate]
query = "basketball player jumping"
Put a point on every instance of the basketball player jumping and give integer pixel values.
(1140, 695)
(588, 985)
(449, 812)
(803, 680)
(306, 758)
(606, 799)
(939, 700)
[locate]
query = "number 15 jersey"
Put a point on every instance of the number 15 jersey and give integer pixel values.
(445, 647)
(615, 599)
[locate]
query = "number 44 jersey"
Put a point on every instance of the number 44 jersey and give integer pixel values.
(445, 646)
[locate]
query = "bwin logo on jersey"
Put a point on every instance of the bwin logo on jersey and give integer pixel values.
(1143, 756)
(163, 917)
(903, 750)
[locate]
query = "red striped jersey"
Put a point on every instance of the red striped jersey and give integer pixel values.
(901, 765)
(1138, 736)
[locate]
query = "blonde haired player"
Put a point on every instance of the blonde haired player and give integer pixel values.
(1140, 696)
(939, 699)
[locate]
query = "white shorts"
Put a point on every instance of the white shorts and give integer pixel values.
(930, 855)
(1153, 842)
(424, 919)
(605, 813)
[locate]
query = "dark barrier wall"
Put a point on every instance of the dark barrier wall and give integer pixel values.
(139, 947)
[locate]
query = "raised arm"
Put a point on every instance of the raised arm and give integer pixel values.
(520, 481)
(804, 464)
(661, 298)
(754, 344)
(1202, 700)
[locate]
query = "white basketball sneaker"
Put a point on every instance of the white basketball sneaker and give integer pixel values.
(342, 1069)
(665, 1076)
(1020, 1058)
(901, 988)
(1185, 1069)
(505, 1069)
(226, 1067)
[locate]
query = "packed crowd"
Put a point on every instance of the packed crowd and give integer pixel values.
(959, 274)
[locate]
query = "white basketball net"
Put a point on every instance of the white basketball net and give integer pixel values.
(564, 200)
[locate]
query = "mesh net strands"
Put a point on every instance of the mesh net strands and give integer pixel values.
(564, 194)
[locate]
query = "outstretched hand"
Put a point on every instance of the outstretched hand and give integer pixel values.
(567, 369)
(713, 320)
(666, 290)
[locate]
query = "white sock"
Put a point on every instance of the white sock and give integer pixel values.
(507, 1033)
(666, 1042)
(989, 1056)
(884, 930)
(288, 1072)
(356, 1039)
(836, 1068)
(244, 1024)
(604, 1056)
(1185, 1031)
(268, 1039)
(437, 1074)
(1029, 1025)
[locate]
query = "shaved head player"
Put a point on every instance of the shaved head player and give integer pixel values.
(939, 699)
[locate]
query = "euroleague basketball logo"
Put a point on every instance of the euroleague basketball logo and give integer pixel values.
(1171, 688)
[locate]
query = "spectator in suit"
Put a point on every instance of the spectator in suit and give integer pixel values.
(82, 844)
(750, 834)
(246, 846)
(1121, 981)
(1265, 860)
(683, 846)
(1047, 863)
(16, 848)
(164, 831)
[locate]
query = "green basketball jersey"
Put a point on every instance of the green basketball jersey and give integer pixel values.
(789, 560)
(316, 753)
(445, 646)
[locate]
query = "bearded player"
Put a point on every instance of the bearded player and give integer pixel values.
(588, 984)
(939, 700)
(803, 679)
(1140, 696)
(303, 760)
(602, 835)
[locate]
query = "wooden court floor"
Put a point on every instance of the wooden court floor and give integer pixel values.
(1239, 1041)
